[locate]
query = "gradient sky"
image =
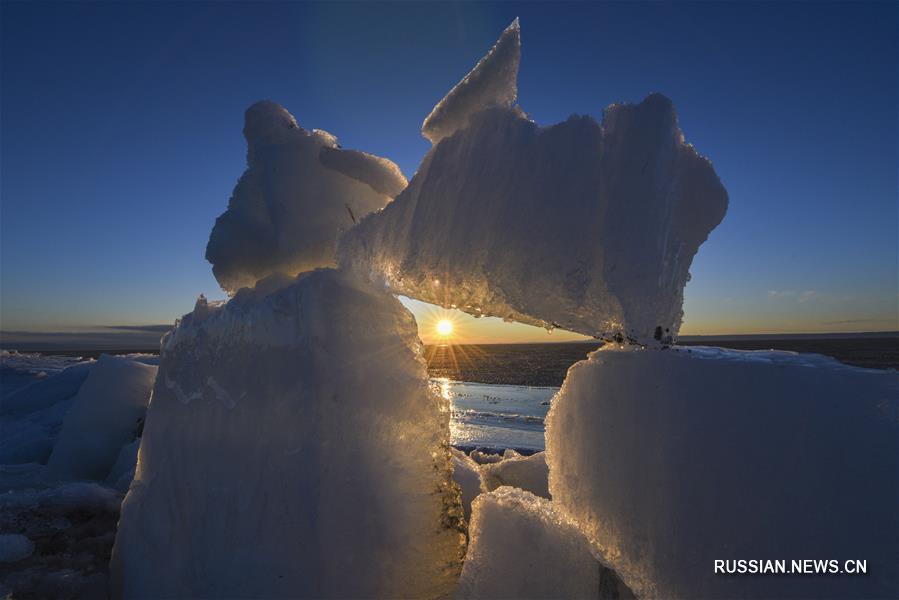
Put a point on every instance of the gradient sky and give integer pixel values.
(121, 138)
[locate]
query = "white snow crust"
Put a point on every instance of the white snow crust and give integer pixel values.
(300, 190)
(316, 465)
(671, 459)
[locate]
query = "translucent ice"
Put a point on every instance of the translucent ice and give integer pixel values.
(300, 190)
(467, 476)
(293, 448)
(587, 226)
(522, 548)
(493, 82)
(528, 473)
(672, 459)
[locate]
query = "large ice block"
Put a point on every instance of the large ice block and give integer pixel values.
(107, 413)
(528, 473)
(671, 460)
(583, 225)
(293, 448)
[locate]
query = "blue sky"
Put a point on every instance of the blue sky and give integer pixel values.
(121, 137)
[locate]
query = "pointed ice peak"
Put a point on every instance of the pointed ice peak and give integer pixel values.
(493, 82)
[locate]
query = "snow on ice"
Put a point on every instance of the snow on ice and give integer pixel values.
(300, 190)
(670, 459)
(587, 226)
(298, 440)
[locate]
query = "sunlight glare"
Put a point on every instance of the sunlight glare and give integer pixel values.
(444, 327)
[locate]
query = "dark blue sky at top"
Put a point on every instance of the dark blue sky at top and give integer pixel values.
(120, 136)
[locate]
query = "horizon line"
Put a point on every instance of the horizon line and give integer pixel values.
(109, 345)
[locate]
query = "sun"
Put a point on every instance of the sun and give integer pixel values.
(444, 328)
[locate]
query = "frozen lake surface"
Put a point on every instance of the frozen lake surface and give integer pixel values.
(496, 416)
(492, 416)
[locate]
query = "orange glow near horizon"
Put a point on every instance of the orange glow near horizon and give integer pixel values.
(448, 326)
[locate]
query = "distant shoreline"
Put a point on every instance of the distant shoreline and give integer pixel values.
(543, 364)
(70, 348)
(546, 363)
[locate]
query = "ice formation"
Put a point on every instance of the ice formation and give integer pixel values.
(467, 476)
(60, 535)
(105, 415)
(522, 548)
(46, 392)
(300, 190)
(298, 441)
(672, 459)
(492, 83)
(30, 438)
(485, 458)
(122, 471)
(586, 226)
(31, 416)
(528, 473)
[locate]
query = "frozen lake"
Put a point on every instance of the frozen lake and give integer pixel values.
(496, 416)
